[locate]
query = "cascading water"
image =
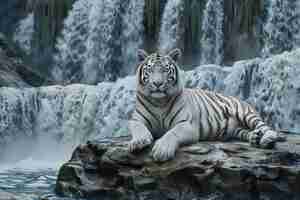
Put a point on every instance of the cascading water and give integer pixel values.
(24, 33)
(99, 41)
(76, 113)
(62, 117)
(171, 29)
(212, 41)
(48, 122)
(281, 31)
(71, 46)
(132, 34)
(103, 48)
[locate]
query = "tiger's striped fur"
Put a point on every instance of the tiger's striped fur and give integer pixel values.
(173, 115)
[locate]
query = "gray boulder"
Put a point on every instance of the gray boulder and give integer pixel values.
(215, 170)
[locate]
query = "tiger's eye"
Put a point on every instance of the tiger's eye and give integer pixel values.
(166, 68)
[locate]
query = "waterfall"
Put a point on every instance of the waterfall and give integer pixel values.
(38, 119)
(102, 43)
(61, 117)
(18, 108)
(99, 40)
(71, 46)
(24, 32)
(171, 30)
(212, 41)
(132, 34)
(281, 31)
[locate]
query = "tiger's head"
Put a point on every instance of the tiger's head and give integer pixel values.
(158, 75)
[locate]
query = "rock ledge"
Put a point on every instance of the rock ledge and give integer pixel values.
(206, 170)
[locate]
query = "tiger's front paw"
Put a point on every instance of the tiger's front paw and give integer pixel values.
(269, 139)
(140, 142)
(165, 148)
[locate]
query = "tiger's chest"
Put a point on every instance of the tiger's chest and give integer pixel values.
(160, 122)
(163, 118)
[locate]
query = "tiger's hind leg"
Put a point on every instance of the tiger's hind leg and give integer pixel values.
(247, 135)
(268, 136)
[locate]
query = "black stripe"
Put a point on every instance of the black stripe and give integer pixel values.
(246, 114)
(205, 107)
(147, 120)
(248, 119)
(237, 133)
(174, 116)
(260, 126)
(244, 135)
(242, 113)
(223, 99)
(219, 129)
(212, 104)
(218, 122)
(172, 103)
(255, 122)
(170, 108)
(236, 108)
(226, 128)
(148, 110)
(200, 112)
(210, 126)
(203, 103)
(143, 96)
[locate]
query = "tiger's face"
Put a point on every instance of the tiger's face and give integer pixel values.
(158, 75)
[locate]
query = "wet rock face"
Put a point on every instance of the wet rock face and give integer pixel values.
(13, 71)
(242, 29)
(232, 170)
(10, 13)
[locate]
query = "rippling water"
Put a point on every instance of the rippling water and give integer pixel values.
(30, 180)
(35, 180)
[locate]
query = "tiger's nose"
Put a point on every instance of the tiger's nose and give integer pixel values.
(158, 83)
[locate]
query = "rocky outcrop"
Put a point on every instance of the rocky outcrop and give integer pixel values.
(243, 29)
(13, 71)
(231, 170)
(10, 13)
(49, 16)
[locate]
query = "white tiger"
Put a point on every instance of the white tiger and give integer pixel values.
(172, 115)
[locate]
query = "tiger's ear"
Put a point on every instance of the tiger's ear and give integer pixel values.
(175, 54)
(142, 55)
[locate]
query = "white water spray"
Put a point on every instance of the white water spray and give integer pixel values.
(100, 40)
(171, 29)
(212, 41)
(281, 31)
(24, 33)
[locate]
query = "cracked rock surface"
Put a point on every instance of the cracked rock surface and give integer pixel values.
(206, 170)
